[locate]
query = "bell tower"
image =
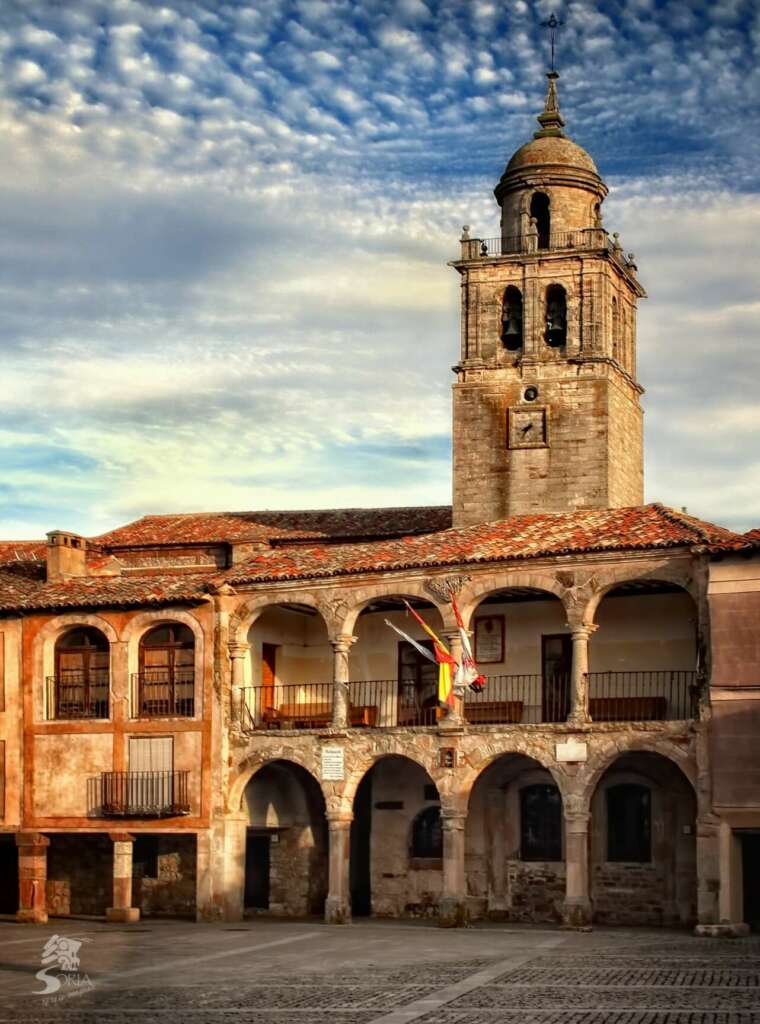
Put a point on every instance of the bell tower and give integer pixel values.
(546, 402)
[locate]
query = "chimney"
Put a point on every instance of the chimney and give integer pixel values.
(66, 553)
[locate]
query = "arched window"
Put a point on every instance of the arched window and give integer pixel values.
(629, 823)
(512, 320)
(540, 822)
(615, 329)
(167, 671)
(539, 210)
(427, 836)
(81, 683)
(556, 316)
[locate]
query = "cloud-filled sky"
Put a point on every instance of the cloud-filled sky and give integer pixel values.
(225, 228)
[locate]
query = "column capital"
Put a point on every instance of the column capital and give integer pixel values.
(238, 648)
(121, 837)
(585, 629)
(577, 821)
(339, 819)
(453, 820)
(342, 642)
(31, 839)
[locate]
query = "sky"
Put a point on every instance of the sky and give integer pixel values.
(224, 229)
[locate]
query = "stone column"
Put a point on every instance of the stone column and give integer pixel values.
(452, 909)
(32, 877)
(122, 910)
(341, 645)
(708, 871)
(454, 643)
(338, 903)
(576, 912)
(238, 651)
(579, 675)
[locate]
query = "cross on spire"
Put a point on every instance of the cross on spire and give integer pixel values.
(552, 23)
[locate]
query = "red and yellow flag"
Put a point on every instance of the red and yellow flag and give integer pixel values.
(446, 664)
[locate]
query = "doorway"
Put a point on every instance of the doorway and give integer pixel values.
(556, 662)
(8, 874)
(361, 840)
(751, 878)
(257, 870)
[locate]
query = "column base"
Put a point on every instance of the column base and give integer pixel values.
(578, 718)
(577, 917)
(726, 930)
(32, 916)
(337, 911)
(123, 915)
(453, 913)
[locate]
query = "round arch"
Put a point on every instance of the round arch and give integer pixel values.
(255, 762)
(683, 760)
(401, 589)
(139, 625)
(43, 650)
(614, 579)
(542, 755)
(246, 613)
(363, 767)
(474, 593)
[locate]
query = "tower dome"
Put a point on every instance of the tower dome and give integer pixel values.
(550, 179)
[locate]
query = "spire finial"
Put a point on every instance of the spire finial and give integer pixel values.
(551, 120)
(553, 23)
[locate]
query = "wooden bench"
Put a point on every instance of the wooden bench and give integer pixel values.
(493, 712)
(628, 709)
(314, 716)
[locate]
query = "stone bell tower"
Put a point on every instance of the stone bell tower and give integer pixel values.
(546, 403)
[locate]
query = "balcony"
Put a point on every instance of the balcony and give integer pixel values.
(165, 692)
(583, 239)
(79, 694)
(144, 794)
(644, 696)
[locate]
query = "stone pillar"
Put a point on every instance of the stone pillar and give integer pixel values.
(122, 910)
(341, 645)
(454, 643)
(338, 903)
(238, 651)
(452, 909)
(495, 852)
(576, 912)
(579, 676)
(708, 871)
(32, 877)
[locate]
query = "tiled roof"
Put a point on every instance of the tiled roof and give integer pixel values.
(753, 536)
(519, 537)
(263, 527)
(12, 551)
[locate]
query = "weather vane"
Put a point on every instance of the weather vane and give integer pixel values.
(552, 24)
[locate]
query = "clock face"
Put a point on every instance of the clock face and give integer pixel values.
(527, 427)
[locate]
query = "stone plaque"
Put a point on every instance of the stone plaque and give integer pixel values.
(333, 764)
(572, 751)
(527, 427)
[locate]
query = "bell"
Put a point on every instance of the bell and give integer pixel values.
(511, 328)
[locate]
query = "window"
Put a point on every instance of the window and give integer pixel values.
(81, 683)
(512, 320)
(427, 836)
(629, 823)
(556, 316)
(145, 857)
(417, 686)
(167, 671)
(540, 823)
(539, 211)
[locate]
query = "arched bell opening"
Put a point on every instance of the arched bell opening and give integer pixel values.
(286, 842)
(556, 316)
(540, 212)
(512, 320)
(514, 842)
(394, 677)
(643, 843)
(396, 842)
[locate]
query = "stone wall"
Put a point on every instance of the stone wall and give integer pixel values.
(297, 873)
(536, 891)
(170, 892)
(629, 894)
(80, 875)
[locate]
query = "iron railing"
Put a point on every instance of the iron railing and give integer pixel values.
(519, 698)
(76, 694)
(512, 245)
(646, 696)
(288, 706)
(144, 794)
(165, 692)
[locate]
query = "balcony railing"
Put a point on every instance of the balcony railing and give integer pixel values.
(646, 696)
(76, 694)
(144, 794)
(557, 241)
(505, 700)
(165, 693)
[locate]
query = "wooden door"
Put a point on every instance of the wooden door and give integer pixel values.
(268, 674)
(556, 659)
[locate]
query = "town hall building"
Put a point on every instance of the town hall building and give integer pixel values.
(208, 715)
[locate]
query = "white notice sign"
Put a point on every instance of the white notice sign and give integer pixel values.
(572, 751)
(333, 766)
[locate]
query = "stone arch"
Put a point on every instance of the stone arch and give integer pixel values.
(474, 592)
(139, 625)
(541, 754)
(402, 588)
(361, 767)
(256, 761)
(248, 611)
(616, 577)
(43, 650)
(597, 765)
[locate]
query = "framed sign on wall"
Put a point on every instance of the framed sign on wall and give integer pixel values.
(489, 639)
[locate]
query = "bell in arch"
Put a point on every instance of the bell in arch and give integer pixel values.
(511, 320)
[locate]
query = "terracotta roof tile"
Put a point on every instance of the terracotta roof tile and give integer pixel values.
(21, 551)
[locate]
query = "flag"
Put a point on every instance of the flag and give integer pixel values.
(445, 662)
(467, 674)
(415, 643)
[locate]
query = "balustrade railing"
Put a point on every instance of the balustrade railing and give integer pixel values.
(144, 794)
(514, 699)
(645, 696)
(77, 694)
(511, 245)
(165, 692)
(287, 706)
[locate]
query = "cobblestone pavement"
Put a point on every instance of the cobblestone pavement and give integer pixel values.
(268, 972)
